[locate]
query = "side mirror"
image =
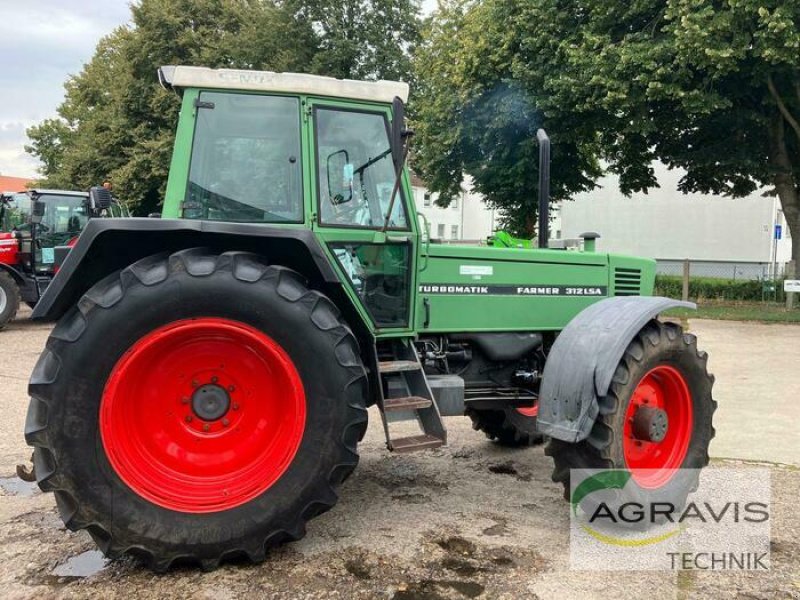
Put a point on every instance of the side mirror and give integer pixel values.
(338, 165)
(398, 129)
(37, 211)
(99, 198)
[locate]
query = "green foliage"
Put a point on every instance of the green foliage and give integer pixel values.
(117, 123)
(710, 86)
(711, 288)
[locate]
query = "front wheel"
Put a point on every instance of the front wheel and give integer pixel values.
(655, 420)
(197, 407)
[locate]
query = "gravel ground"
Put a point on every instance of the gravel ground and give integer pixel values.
(466, 521)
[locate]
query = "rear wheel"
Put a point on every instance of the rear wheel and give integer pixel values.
(655, 419)
(196, 408)
(513, 427)
(9, 298)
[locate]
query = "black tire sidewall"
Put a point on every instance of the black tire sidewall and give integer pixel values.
(109, 332)
(11, 290)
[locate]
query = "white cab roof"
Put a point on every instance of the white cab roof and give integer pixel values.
(295, 83)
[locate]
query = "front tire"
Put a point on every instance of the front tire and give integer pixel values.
(661, 368)
(197, 407)
(9, 298)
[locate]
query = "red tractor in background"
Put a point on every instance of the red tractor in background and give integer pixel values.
(37, 229)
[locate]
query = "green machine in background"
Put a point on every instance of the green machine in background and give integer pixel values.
(226, 359)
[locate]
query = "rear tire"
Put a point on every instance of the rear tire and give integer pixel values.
(663, 351)
(207, 322)
(507, 427)
(9, 298)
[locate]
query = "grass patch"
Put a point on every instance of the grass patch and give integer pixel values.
(739, 311)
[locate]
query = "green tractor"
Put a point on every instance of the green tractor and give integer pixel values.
(204, 391)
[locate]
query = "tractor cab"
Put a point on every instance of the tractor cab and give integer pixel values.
(37, 229)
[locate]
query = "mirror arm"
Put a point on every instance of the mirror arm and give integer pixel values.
(397, 175)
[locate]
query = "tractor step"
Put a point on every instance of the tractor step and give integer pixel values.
(398, 366)
(416, 442)
(406, 403)
(407, 396)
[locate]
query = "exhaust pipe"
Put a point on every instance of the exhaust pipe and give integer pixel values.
(544, 188)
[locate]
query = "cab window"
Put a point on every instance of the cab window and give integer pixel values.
(355, 170)
(64, 218)
(16, 212)
(246, 163)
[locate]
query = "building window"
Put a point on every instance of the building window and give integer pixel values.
(454, 203)
(426, 199)
(440, 231)
(454, 232)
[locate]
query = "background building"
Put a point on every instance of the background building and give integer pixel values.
(723, 237)
(468, 219)
(14, 184)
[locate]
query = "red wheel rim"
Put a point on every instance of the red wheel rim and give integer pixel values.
(529, 411)
(160, 445)
(652, 464)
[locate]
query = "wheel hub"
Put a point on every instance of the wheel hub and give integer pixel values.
(210, 402)
(649, 424)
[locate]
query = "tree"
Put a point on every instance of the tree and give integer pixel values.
(361, 39)
(477, 114)
(116, 122)
(710, 86)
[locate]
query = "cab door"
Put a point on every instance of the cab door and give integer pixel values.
(353, 177)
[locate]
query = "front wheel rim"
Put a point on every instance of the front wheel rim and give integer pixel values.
(202, 415)
(654, 463)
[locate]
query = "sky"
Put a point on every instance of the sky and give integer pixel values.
(42, 43)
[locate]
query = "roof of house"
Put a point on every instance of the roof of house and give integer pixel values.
(14, 184)
(270, 81)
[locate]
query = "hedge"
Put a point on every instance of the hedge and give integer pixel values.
(713, 288)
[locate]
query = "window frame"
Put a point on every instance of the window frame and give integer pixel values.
(401, 197)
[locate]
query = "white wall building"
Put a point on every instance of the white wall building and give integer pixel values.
(723, 237)
(467, 219)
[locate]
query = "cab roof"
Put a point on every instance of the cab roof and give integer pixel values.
(41, 192)
(182, 77)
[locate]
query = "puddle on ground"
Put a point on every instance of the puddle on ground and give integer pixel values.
(83, 565)
(16, 487)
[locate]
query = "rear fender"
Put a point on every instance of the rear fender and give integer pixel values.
(108, 245)
(582, 361)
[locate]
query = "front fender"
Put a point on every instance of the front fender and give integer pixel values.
(583, 359)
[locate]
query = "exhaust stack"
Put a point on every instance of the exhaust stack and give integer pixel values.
(544, 188)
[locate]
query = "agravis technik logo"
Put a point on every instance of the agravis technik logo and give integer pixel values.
(723, 525)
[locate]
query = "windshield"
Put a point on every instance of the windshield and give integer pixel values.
(245, 162)
(16, 212)
(355, 170)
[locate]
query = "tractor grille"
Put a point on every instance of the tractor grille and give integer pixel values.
(627, 282)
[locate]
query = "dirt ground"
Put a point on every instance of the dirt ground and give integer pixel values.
(467, 521)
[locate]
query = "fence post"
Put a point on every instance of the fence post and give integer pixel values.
(685, 294)
(790, 273)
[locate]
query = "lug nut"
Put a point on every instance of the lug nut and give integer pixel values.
(188, 418)
(206, 427)
(194, 383)
(225, 422)
(184, 400)
(214, 379)
(231, 388)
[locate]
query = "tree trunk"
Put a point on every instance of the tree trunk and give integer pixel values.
(786, 182)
